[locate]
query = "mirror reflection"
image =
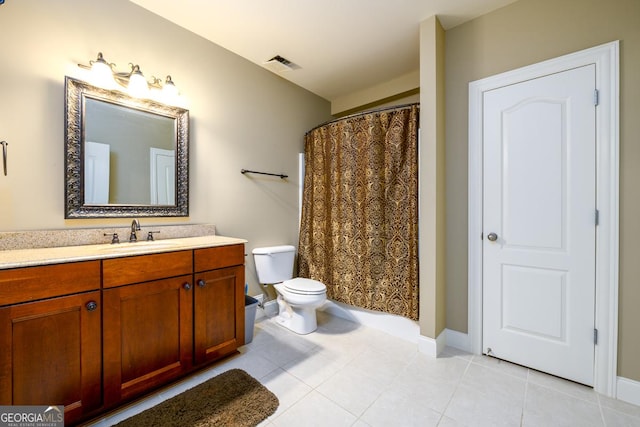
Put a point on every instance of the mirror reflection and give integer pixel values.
(124, 156)
(129, 156)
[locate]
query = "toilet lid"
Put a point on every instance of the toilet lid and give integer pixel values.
(303, 286)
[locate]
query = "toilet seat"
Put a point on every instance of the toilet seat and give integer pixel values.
(302, 286)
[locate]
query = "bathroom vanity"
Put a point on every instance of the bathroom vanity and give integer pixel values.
(93, 327)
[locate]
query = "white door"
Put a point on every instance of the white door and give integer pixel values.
(96, 173)
(539, 224)
(163, 176)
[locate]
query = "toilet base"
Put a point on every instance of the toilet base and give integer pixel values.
(301, 320)
(297, 323)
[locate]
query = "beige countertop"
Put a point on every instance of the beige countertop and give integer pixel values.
(44, 256)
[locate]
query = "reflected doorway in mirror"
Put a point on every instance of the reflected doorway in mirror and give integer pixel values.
(163, 176)
(96, 173)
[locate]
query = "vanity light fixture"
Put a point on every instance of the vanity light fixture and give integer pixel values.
(138, 85)
(104, 74)
(101, 72)
(169, 88)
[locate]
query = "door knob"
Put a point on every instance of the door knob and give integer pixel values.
(492, 237)
(187, 286)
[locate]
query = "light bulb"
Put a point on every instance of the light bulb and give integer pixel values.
(169, 90)
(138, 86)
(101, 73)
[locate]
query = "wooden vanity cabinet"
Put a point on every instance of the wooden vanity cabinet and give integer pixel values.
(50, 340)
(93, 335)
(148, 336)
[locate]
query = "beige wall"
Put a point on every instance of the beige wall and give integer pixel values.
(432, 226)
(524, 33)
(389, 90)
(242, 116)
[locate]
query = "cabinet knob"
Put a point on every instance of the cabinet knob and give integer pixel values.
(201, 283)
(91, 305)
(186, 286)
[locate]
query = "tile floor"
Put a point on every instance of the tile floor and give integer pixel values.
(346, 374)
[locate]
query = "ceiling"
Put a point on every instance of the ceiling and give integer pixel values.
(340, 46)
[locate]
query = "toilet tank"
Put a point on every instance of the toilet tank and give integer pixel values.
(274, 264)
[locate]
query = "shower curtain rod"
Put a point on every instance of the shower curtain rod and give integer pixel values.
(362, 113)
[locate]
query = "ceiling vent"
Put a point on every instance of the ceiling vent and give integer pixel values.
(278, 64)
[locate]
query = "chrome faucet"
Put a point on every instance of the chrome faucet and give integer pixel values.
(135, 226)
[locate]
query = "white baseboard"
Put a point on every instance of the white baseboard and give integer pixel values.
(428, 346)
(448, 337)
(628, 390)
(458, 340)
(271, 308)
(268, 309)
(432, 347)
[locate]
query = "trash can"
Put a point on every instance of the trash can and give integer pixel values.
(250, 307)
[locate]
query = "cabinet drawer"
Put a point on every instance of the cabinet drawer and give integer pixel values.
(144, 268)
(34, 283)
(219, 257)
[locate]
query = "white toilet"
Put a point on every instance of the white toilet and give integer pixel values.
(297, 298)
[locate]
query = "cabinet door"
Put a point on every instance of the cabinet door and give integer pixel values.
(51, 354)
(219, 313)
(148, 336)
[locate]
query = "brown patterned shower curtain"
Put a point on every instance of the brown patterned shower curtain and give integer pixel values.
(359, 227)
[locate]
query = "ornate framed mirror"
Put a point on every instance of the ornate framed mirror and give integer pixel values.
(124, 156)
